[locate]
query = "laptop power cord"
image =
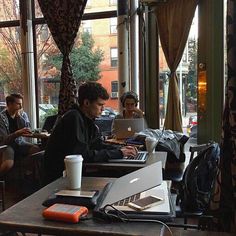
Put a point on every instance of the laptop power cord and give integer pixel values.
(121, 216)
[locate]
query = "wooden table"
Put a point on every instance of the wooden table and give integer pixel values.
(26, 216)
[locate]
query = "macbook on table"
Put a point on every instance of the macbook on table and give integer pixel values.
(125, 128)
(138, 184)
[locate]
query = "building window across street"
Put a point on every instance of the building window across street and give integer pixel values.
(114, 57)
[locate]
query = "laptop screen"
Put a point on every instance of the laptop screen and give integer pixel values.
(133, 183)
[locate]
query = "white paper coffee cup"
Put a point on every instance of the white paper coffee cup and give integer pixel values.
(150, 144)
(73, 164)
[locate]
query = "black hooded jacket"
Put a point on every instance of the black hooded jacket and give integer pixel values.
(75, 134)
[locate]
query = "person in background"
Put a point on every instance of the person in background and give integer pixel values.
(12, 129)
(129, 101)
(76, 133)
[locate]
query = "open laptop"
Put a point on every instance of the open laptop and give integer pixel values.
(143, 182)
(126, 128)
(140, 158)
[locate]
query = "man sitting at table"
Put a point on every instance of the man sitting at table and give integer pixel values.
(12, 129)
(76, 133)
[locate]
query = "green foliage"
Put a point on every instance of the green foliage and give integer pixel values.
(85, 60)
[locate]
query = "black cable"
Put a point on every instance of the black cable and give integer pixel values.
(125, 217)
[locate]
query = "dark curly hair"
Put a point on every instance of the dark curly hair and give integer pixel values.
(129, 94)
(91, 91)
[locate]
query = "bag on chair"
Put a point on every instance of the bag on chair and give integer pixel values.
(199, 179)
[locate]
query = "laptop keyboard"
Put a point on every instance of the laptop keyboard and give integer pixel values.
(140, 156)
(124, 202)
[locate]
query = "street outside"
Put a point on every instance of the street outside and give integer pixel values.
(185, 121)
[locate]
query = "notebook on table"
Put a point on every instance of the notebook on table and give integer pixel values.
(143, 182)
(140, 158)
(126, 128)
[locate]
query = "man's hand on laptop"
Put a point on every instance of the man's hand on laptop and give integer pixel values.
(129, 151)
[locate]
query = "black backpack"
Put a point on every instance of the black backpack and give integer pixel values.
(199, 180)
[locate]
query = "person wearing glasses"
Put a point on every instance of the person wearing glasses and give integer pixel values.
(13, 127)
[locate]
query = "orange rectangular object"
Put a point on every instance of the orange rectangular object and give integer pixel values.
(65, 212)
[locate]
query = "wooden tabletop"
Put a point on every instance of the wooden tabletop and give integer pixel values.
(26, 216)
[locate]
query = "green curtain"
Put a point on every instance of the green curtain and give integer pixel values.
(174, 20)
(63, 18)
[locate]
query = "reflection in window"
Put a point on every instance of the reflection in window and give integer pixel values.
(114, 57)
(88, 4)
(112, 2)
(113, 25)
(9, 10)
(44, 33)
(86, 26)
(10, 60)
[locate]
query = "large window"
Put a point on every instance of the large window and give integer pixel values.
(10, 62)
(187, 76)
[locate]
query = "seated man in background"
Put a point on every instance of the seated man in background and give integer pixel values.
(12, 129)
(76, 133)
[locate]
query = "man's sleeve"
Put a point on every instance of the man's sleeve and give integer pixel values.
(5, 138)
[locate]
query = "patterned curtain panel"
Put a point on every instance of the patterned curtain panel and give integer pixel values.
(174, 21)
(228, 156)
(63, 18)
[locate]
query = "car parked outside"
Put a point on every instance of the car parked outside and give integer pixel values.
(104, 122)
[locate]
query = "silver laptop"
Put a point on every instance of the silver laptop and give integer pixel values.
(140, 158)
(125, 128)
(133, 183)
(143, 182)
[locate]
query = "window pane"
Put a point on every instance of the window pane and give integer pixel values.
(187, 76)
(9, 10)
(104, 41)
(38, 12)
(48, 74)
(113, 25)
(99, 6)
(10, 62)
(90, 59)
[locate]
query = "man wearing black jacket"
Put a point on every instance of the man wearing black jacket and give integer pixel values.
(76, 133)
